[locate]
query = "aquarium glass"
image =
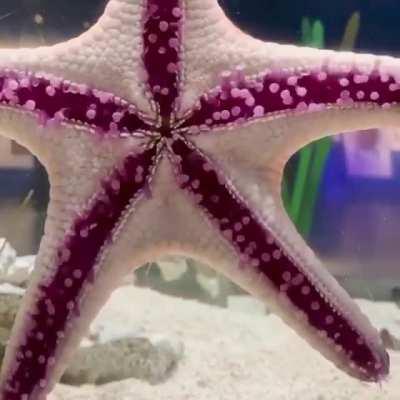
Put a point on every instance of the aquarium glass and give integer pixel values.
(176, 327)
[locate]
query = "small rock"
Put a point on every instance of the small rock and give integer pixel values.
(209, 284)
(14, 270)
(172, 267)
(7, 288)
(138, 357)
(186, 286)
(8, 255)
(20, 271)
(389, 341)
(10, 300)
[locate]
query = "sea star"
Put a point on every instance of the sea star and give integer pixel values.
(165, 129)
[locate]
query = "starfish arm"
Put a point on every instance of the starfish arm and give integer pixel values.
(108, 56)
(54, 101)
(307, 298)
(88, 81)
(162, 38)
(80, 261)
(246, 80)
(361, 82)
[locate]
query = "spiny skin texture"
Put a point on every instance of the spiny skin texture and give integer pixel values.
(164, 130)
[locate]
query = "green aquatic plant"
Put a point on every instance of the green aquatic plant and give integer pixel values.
(351, 32)
(303, 174)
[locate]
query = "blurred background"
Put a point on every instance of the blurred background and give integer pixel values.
(342, 193)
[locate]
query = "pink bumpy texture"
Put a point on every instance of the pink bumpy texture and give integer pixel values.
(237, 100)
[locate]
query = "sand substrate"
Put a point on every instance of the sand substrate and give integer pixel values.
(230, 355)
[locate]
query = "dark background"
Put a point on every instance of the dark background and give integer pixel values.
(270, 19)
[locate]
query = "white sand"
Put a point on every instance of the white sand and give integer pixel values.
(228, 355)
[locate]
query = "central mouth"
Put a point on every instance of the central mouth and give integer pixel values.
(165, 130)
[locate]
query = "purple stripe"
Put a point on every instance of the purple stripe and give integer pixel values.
(57, 100)
(258, 250)
(162, 51)
(77, 264)
(239, 98)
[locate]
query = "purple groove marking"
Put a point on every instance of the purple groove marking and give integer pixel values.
(58, 302)
(59, 100)
(258, 250)
(239, 98)
(162, 38)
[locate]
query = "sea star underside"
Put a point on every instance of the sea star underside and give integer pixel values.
(164, 129)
